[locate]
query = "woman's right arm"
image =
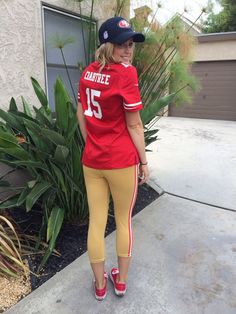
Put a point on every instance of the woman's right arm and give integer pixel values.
(81, 119)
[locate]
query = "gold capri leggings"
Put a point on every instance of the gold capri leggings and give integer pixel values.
(122, 184)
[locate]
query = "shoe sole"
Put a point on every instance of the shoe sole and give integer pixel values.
(117, 292)
(100, 298)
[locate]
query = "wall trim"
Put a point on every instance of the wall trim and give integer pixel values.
(216, 37)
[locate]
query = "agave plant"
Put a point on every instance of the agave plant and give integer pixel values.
(50, 150)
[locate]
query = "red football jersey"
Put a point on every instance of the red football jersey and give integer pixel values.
(105, 96)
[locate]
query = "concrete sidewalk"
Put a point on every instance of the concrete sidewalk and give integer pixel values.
(184, 262)
(184, 251)
(196, 159)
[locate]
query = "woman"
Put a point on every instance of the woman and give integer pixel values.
(114, 154)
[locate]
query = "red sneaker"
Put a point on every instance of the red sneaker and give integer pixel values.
(119, 287)
(100, 294)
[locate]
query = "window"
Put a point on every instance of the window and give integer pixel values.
(64, 25)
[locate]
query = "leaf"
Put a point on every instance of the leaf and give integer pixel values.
(54, 223)
(8, 140)
(76, 153)
(27, 163)
(43, 117)
(54, 226)
(35, 131)
(12, 121)
(32, 125)
(48, 199)
(31, 183)
(11, 202)
(6, 245)
(150, 140)
(13, 106)
(23, 196)
(40, 94)
(60, 178)
(35, 194)
(61, 154)
(26, 107)
(149, 133)
(3, 126)
(7, 271)
(61, 99)
(18, 153)
(21, 115)
(150, 111)
(72, 121)
(54, 137)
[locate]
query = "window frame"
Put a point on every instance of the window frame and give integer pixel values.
(59, 10)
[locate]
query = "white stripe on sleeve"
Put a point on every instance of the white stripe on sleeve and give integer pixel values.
(131, 106)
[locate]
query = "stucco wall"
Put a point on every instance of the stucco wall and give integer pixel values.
(215, 48)
(21, 43)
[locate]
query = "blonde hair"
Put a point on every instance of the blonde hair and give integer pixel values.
(104, 55)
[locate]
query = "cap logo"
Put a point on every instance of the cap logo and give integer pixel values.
(105, 35)
(124, 24)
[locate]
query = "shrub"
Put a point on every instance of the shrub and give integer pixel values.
(50, 150)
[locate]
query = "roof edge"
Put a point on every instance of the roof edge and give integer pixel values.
(216, 37)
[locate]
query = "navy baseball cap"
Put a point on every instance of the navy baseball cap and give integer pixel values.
(117, 30)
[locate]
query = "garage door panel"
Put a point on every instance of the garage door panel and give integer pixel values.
(216, 98)
(220, 81)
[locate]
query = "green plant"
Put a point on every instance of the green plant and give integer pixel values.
(224, 20)
(60, 42)
(162, 62)
(50, 150)
(11, 263)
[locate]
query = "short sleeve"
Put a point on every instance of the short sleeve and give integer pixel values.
(129, 90)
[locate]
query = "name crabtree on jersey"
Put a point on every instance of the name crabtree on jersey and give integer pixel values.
(97, 77)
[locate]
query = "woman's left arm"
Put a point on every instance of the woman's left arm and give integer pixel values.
(135, 128)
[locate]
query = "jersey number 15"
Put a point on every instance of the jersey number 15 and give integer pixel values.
(94, 108)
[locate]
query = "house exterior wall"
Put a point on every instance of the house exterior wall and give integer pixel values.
(215, 47)
(21, 42)
(215, 68)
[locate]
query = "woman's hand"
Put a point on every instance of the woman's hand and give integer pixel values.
(143, 173)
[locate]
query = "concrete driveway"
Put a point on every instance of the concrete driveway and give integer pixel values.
(196, 159)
